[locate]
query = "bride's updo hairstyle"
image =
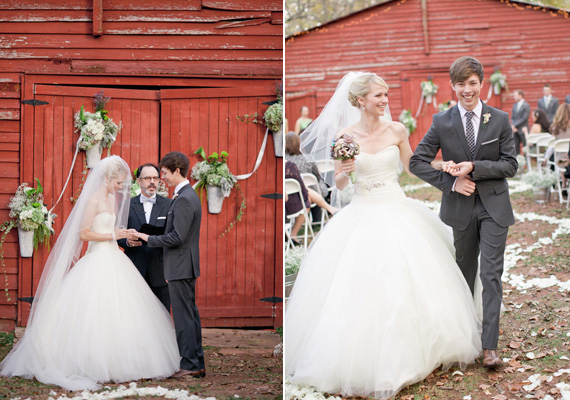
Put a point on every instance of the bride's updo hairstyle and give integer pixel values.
(360, 87)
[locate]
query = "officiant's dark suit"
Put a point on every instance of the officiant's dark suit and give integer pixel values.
(180, 244)
(480, 221)
(149, 260)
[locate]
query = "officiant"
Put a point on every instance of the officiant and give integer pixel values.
(150, 209)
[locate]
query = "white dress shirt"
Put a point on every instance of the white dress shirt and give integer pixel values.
(147, 207)
(475, 120)
(546, 100)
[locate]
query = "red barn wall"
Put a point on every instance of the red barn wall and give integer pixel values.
(531, 46)
(143, 45)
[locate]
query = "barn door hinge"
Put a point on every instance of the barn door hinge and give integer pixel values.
(274, 196)
(34, 102)
(272, 299)
(26, 299)
(270, 102)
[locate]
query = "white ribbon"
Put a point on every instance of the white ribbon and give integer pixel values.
(490, 94)
(257, 162)
(69, 175)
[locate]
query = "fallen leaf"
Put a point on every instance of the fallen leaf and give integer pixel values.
(499, 397)
(514, 345)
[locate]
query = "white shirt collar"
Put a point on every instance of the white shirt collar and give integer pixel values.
(181, 185)
(477, 110)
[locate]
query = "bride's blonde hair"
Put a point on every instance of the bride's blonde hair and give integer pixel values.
(360, 87)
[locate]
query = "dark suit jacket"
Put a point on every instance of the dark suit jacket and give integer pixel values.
(149, 261)
(519, 117)
(567, 100)
(494, 161)
(180, 241)
(551, 109)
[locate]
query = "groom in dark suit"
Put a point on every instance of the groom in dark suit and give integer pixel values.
(148, 208)
(476, 143)
(180, 244)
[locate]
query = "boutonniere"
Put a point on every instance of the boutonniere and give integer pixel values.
(486, 117)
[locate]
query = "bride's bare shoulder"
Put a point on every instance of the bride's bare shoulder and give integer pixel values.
(350, 130)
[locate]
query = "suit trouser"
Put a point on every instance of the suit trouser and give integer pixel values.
(519, 138)
(484, 236)
(187, 323)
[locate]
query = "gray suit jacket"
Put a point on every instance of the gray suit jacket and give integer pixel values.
(567, 100)
(519, 117)
(180, 241)
(147, 260)
(494, 162)
(551, 109)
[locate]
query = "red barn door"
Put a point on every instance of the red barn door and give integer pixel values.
(49, 143)
(245, 266)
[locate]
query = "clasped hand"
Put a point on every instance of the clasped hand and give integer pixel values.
(463, 185)
(133, 237)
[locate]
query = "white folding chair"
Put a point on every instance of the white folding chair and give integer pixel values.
(326, 169)
(531, 148)
(561, 148)
(312, 181)
(292, 186)
(544, 147)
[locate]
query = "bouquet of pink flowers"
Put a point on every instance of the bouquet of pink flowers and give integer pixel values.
(344, 148)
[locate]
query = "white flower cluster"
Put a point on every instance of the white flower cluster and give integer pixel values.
(429, 88)
(94, 128)
(296, 392)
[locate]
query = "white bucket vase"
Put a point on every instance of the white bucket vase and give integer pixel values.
(278, 142)
(26, 241)
(496, 88)
(541, 194)
(93, 155)
(429, 99)
(215, 199)
(289, 282)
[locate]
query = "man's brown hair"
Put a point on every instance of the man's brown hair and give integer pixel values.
(463, 68)
(175, 159)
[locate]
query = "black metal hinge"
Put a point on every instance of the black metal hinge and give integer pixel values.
(272, 299)
(34, 102)
(274, 196)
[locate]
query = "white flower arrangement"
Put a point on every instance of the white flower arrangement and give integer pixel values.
(293, 259)
(499, 81)
(429, 88)
(538, 179)
(95, 128)
(30, 214)
(408, 120)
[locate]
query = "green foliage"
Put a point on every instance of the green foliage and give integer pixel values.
(274, 117)
(6, 339)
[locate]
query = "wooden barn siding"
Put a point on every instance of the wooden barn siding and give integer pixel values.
(530, 46)
(176, 37)
(10, 86)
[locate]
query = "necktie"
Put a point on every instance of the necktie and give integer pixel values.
(145, 199)
(470, 132)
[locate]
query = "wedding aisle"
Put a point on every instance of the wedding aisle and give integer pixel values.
(239, 364)
(535, 332)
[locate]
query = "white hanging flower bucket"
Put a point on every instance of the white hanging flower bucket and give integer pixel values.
(26, 241)
(93, 155)
(215, 199)
(278, 142)
(428, 99)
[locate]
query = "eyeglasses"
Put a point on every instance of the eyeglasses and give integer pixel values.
(149, 179)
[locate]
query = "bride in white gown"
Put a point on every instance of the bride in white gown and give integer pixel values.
(94, 319)
(379, 301)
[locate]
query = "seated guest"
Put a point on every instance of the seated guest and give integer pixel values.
(293, 154)
(540, 122)
(560, 127)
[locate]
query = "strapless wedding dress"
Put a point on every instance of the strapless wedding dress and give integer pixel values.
(379, 301)
(108, 326)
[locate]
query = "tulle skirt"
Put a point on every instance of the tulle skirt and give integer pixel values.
(108, 326)
(379, 302)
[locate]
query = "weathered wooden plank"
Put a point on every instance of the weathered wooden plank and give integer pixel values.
(222, 92)
(36, 66)
(127, 17)
(8, 156)
(92, 91)
(9, 186)
(10, 78)
(223, 312)
(9, 103)
(66, 56)
(139, 42)
(9, 171)
(173, 5)
(269, 5)
(97, 17)
(9, 126)
(277, 17)
(267, 68)
(8, 94)
(10, 114)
